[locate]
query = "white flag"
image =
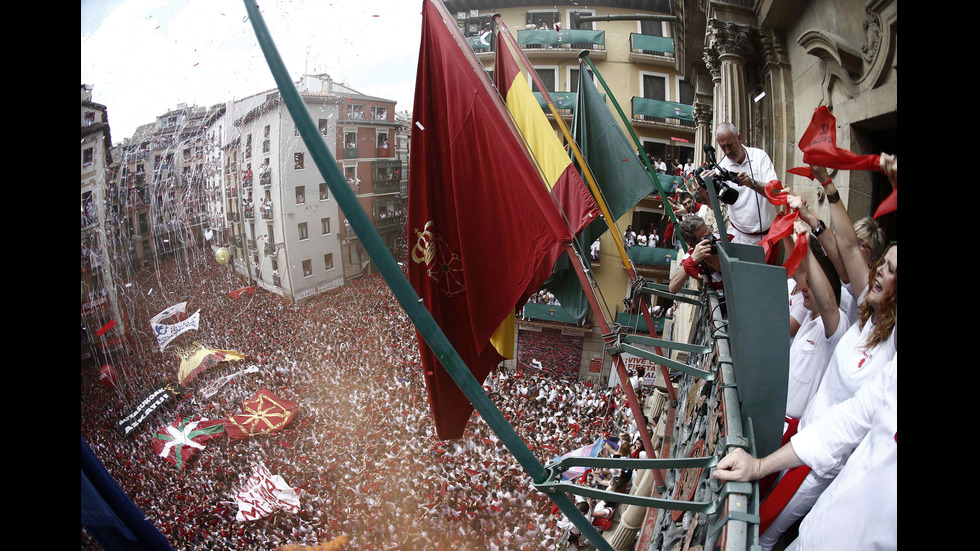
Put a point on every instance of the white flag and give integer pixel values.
(264, 494)
(178, 308)
(167, 333)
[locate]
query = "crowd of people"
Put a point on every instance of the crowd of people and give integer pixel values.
(362, 451)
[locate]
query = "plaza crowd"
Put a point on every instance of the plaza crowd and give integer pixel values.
(362, 451)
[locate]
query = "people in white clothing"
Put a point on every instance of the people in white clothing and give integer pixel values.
(858, 440)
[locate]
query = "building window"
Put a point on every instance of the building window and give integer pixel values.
(88, 157)
(328, 261)
(573, 79)
(298, 161)
(350, 140)
(379, 113)
(325, 225)
(548, 76)
(323, 127)
(307, 268)
(355, 111)
(300, 195)
(303, 231)
(324, 193)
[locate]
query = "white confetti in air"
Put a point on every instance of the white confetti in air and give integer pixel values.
(418, 124)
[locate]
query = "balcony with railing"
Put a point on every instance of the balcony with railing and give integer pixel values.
(546, 43)
(662, 113)
(654, 50)
(386, 176)
(350, 153)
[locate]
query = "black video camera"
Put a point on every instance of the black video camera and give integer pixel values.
(726, 193)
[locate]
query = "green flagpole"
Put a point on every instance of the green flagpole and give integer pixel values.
(639, 147)
(399, 284)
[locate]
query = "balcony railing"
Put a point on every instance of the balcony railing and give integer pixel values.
(384, 152)
(651, 45)
(567, 39)
(669, 112)
(350, 153)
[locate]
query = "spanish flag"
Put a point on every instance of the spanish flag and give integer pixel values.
(562, 179)
(560, 176)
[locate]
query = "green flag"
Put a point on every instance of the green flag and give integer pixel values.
(619, 173)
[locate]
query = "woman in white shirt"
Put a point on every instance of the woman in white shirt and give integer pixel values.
(867, 346)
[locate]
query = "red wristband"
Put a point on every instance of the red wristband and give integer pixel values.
(829, 180)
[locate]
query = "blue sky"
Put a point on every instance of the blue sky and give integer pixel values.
(143, 57)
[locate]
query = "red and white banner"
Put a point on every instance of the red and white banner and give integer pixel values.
(264, 494)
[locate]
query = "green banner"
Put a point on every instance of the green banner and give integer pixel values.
(652, 256)
(550, 37)
(663, 109)
(651, 43)
(548, 312)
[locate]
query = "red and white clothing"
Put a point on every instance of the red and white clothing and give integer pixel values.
(850, 367)
(858, 510)
(809, 355)
(700, 271)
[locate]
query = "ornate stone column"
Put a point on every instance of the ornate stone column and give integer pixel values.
(703, 112)
(630, 521)
(728, 41)
(781, 125)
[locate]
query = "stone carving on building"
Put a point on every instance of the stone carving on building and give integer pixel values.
(856, 68)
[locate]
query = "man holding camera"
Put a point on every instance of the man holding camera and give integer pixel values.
(701, 259)
(751, 215)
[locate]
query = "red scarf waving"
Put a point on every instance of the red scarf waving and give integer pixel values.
(819, 146)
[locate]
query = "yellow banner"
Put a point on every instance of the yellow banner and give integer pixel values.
(197, 358)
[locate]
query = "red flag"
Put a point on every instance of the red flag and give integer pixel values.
(108, 376)
(819, 145)
(236, 292)
(265, 413)
(105, 328)
(483, 225)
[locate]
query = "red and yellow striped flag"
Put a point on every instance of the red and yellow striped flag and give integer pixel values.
(563, 180)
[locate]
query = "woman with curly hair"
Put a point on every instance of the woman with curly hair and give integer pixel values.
(867, 346)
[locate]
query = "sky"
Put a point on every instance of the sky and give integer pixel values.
(143, 57)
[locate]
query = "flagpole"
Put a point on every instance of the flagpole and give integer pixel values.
(584, 55)
(395, 278)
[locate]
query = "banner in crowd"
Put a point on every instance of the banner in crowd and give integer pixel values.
(212, 388)
(470, 267)
(178, 308)
(265, 413)
(196, 358)
(182, 439)
(105, 328)
(263, 494)
(167, 333)
(145, 408)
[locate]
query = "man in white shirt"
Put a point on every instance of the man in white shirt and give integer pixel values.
(752, 214)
